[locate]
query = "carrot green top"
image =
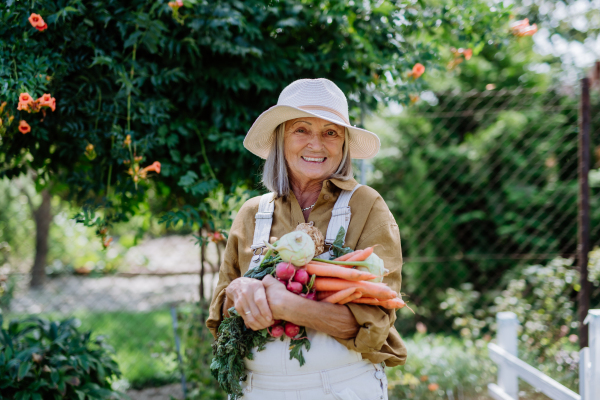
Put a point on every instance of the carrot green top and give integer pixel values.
(371, 223)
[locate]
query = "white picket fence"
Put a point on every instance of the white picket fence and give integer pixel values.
(510, 367)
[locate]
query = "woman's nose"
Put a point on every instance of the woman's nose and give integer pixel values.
(315, 142)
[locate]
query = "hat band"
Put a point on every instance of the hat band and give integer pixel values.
(323, 108)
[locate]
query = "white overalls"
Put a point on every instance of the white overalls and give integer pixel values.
(331, 371)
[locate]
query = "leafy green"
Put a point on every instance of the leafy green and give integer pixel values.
(297, 344)
(337, 247)
(234, 343)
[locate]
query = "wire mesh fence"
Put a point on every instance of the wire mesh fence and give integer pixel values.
(482, 183)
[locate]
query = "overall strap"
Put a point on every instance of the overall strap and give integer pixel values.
(340, 216)
(262, 230)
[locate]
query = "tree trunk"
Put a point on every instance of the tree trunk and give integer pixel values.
(43, 218)
(202, 257)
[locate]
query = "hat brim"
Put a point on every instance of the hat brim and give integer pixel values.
(259, 139)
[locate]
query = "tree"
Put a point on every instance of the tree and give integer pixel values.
(141, 82)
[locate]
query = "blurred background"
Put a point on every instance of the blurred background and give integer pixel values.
(482, 164)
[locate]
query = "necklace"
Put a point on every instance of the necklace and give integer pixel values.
(308, 208)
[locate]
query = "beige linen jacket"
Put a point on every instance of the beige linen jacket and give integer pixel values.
(371, 224)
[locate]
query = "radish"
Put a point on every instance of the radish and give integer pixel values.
(311, 296)
(277, 331)
(301, 277)
(291, 330)
(295, 287)
(276, 322)
(284, 271)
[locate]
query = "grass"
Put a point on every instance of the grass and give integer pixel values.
(140, 340)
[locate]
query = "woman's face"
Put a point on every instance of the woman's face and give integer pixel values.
(313, 148)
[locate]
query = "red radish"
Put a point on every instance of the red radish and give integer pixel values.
(301, 277)
(284, 270)
(291, 330)
(282, 281)
(276, 322)
(311, 296)
(277, 331)
(295, 287)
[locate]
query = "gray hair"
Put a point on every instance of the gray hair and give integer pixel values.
(275, 174)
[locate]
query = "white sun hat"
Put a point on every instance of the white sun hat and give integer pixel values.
(319, 98)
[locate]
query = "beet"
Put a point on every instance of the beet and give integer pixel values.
(277, 331)
(284, 270)
(301, 277)
(295, 287)
(291, 330)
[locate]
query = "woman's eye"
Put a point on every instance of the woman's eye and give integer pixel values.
(331, 133)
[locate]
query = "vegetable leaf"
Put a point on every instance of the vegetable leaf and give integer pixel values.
(296, 346)
(337, 247)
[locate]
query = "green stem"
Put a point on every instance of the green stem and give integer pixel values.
(99, 108)
(129, 94)
(112, 142)
(206, 162)
(351, 263)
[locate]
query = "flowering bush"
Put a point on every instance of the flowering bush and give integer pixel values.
(143, 88)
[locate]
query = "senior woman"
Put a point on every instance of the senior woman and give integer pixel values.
(308, 144)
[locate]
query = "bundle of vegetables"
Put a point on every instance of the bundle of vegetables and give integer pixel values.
(352, 277)
(235, 341)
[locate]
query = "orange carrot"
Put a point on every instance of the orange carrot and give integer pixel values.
(345, 257)
(353, 296)
(362, 256)
(334, 271)
(371, 289)
(341, 295)
(324, 294)
(390, 303)
(327, 264)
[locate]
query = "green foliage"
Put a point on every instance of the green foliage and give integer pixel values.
(42, 359)
(438, 366)
(543, 299)
(185, 88)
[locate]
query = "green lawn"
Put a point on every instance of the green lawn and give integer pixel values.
(140, 340)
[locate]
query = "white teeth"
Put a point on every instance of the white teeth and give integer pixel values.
(314, 159)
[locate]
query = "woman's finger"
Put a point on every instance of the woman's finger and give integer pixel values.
(260, 299)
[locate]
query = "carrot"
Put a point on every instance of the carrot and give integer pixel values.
(371, 289)
(328, 264)
(334, 271)
(345, 257)
(390, 303)
(353, 296)
(362, 256)
(341, 295)
(324, 294)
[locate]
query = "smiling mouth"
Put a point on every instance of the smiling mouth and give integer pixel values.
(314, 160)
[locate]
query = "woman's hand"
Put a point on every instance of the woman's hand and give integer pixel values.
(277, 297)
(250, 300)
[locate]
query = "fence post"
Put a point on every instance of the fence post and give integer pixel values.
(507, 339)
(584, 209)
(593, 321)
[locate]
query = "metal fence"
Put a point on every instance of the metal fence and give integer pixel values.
(481, 184)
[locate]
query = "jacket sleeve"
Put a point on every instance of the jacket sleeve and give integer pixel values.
(377, 338)
(229, 269)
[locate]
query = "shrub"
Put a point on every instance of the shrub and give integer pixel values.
(41, 359)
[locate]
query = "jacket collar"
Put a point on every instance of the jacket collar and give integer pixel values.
(344, 185)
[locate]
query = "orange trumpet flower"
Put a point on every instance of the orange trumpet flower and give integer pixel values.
(24, 127)
(418, 70)
(154, 167)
